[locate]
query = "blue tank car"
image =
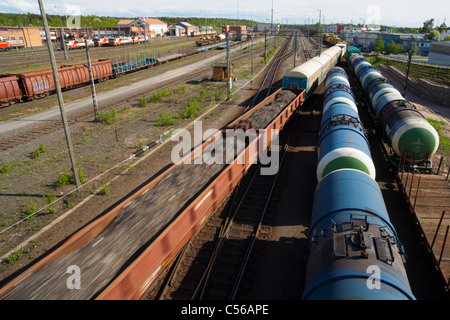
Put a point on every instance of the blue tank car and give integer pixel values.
(354, 251)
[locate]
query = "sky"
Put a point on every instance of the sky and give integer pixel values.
(387, 12)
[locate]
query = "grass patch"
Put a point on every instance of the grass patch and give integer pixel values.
(142, 101)
(444, 142)
(104, 190)
(38, 151)
(160, 94)
(28, 210)
(65, 178)
(108, 117)
(49, 199)
(432, 73)
(5, 168)
(165, 119)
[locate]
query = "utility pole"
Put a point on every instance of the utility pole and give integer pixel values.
(252, 46)
(271, 21)
(265, 45)
(59, 95)
(228, 68)
(320, 32)
(295, 45)
(91, 76)
(407, 67)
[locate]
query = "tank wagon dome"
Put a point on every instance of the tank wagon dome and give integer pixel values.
(348, 205)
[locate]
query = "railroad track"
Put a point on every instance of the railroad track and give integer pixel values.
(213, 264)
(13, 141)
(265, 87)
(308, 48)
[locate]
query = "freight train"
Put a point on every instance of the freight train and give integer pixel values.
(30, 85)
(6, 44)
(343, 142)
(353, 248)
(404, 128)
(310, 74)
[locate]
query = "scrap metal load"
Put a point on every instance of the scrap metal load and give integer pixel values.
(351, 238)
(405, 129)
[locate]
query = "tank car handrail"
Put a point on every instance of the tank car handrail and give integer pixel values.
(365, 211)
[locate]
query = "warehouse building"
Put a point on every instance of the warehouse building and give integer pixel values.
(30, 36)
(237, 30)
(153, 27)
(440, 53)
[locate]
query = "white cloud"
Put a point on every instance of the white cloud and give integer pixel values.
(22, 6)
(400, 13)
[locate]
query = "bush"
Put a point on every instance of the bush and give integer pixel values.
(65, 178)
(165, 120)
(108, 117)
(38, 151)
(190, 109)
(142, 101)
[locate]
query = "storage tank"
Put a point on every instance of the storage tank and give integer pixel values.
(351, 238)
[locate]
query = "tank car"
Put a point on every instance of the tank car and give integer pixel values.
(405, 129)
(354, 251)
(343, 142)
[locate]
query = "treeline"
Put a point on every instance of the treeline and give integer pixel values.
(211, 22)
(34, 20)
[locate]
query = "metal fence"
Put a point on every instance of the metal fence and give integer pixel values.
(404, 58)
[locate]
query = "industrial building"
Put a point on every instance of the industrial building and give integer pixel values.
(267, 27)
(153, 27)
(366, 40)
(30, 36)
(440, 53)
(237, 30)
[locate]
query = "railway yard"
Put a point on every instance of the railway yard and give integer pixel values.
(145, 227)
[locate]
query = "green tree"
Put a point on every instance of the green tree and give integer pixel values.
(447, 38)
(391, 47)
(427, 26)
(379, 45)
(434, 34)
